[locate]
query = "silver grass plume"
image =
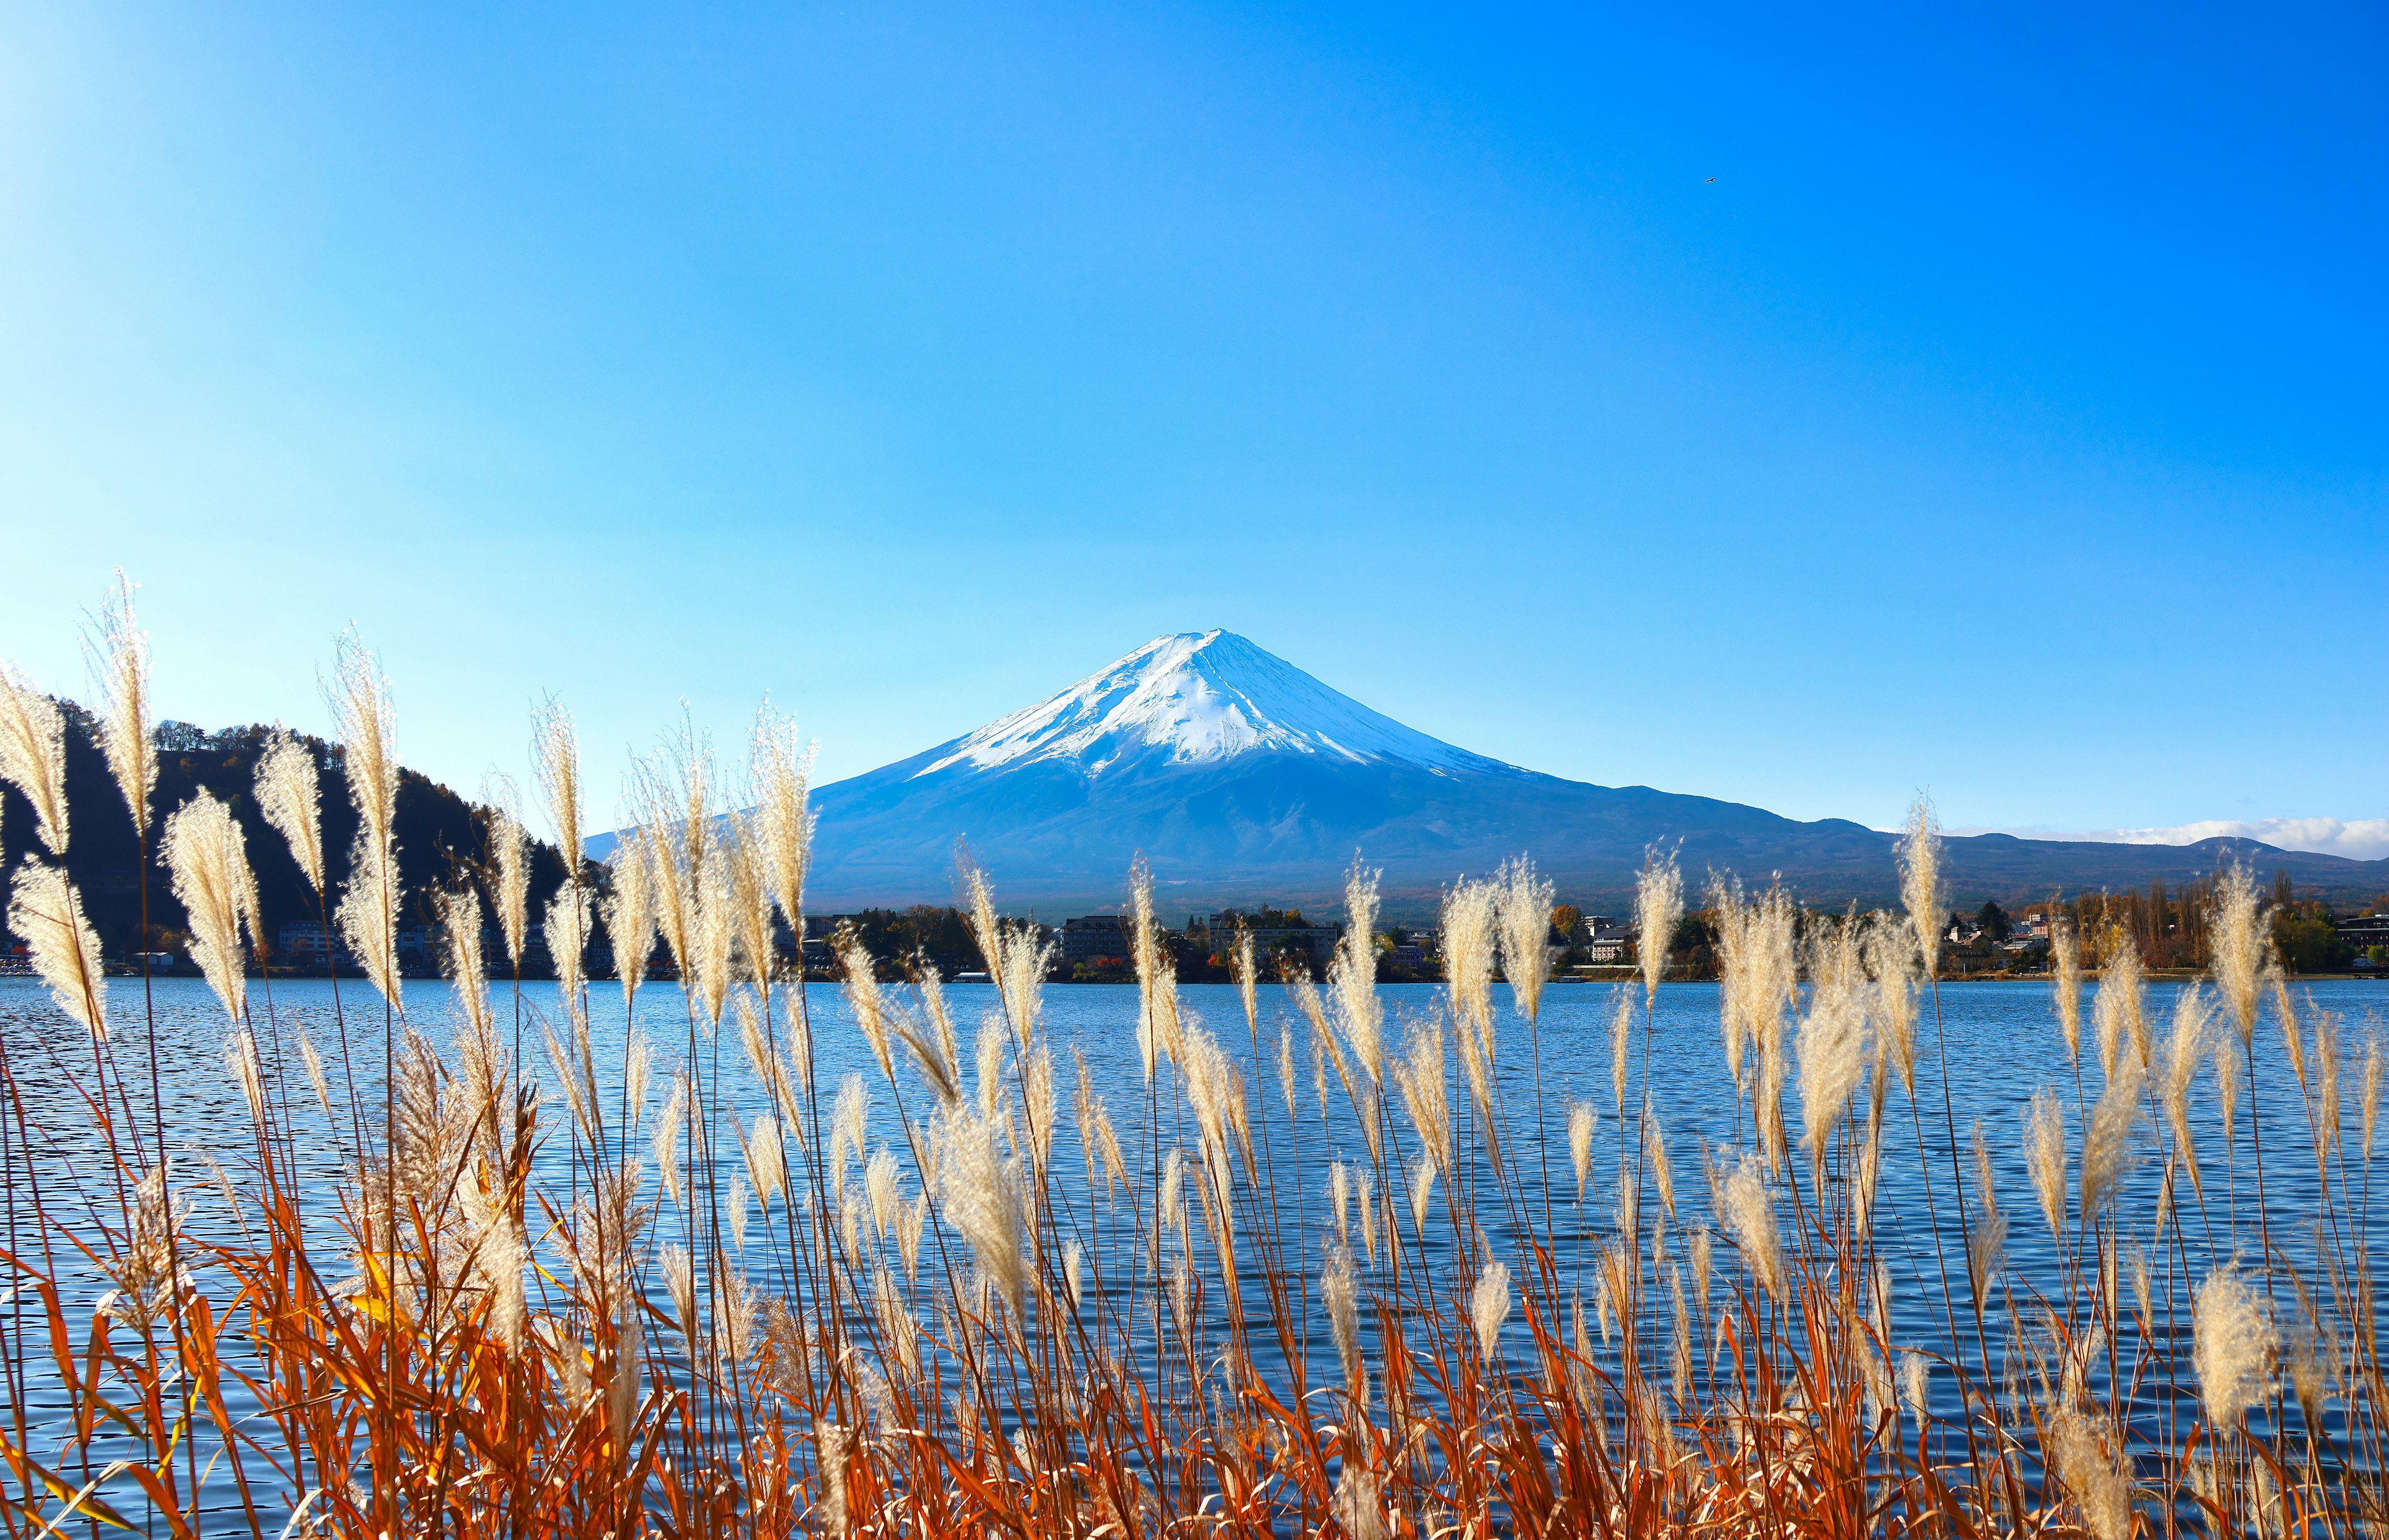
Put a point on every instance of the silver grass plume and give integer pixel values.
(558, 754)
(1419, 1076)
(1621, 1027)
(568, 943)
(2193, 1016)
(2239, 944)
(2044, 1156)
(33, 755)
(1352, 976)
(863, 995)
(2121, 1007)
(1422, 1191)
(1891, 956)
(368, 911)
(509, 873)
(2235, 1342)
(240, 1057)
(460, 916)
(2285, 1015)
(751, 902)
(1654, 1154)
(122, 657)
(1750, 1217)
(1658, 907)
(1581, 1122)
(981, 1199)
(1467, 944)
(1154, 970)
(2327, 1090)
(1488, 1308)
(208, 858)
(1831, 1046)
(2065, 947)
(1920, 882)
(631, 912)
(1525, 916)
(1339, 1291)
(2371, 1092)
(288, 795)
(716, 929)
(2107, 1154)
(783, 822)
(1988, 1239)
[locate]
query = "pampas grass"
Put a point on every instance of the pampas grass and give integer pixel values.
(33, 755)
(489, 1318)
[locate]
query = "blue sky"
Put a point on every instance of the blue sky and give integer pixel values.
(1796, 405)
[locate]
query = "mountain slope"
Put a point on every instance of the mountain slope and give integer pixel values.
(1240, 777)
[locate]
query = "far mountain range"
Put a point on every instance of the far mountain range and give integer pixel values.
(1243, 779)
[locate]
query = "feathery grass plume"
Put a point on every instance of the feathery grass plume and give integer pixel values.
(32, 753)
(1891, 956)
(715, 930)
(1733, 923)
(1468, 947)
(631, 912)
(2193, 1016)
(932, 1045)
(1352, 976)
(1339, 1291)
(1988, 1239)
(315, 1076)
(993, 1040)
(2121, 1007)
(1654, 1154)
(499, 1255)
(1153, 966)
(1285, 1076)
(1864, 1175)
(680, 1283)
(751, 903)
(879, 1180)
(361, 704)
(287, 795)
(1488, 1308)
(1659, 906)
(1701, 1247)
(1339, 1200)
(981, 1199)
(1582, 1120)
(509, 872)
(1419, 1076)
(2285, 1015)
(2102, 1486)
(670, 1125)
(568, 943)
(1749, 1217)
(121, 656)
(1913, 1373)
(849, 1127)
(2107, 1152)
(1920, 882)
(2238, 944)
(2065, 950)
(2327, 1091)
(783, 813)
(2371, 1092)
(2044, 1156)
(460, 917)
(2235, 1342)
(767, 1164)
(1831, 1043)
(2226, 1087)
(557, 753)
(1422, 1192)
(1621, 1029)
(1522, 911)
(209, 860)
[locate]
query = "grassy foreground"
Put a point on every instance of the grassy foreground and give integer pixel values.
(1028, 1312)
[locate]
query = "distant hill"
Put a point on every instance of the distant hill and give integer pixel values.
(437, 831)
(1243, 778)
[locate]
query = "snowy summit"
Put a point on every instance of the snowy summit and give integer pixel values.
(1197, 697)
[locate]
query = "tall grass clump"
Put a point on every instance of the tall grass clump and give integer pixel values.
(696, 1283)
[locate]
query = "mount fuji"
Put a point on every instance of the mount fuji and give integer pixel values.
(1242, 778)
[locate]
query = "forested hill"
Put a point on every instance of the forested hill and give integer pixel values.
(441, 837)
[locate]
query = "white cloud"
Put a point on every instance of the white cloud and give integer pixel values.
(2364, 839)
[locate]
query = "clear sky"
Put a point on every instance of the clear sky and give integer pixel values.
(1793, 405)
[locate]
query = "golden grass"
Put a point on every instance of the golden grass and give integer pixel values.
(801, 1325)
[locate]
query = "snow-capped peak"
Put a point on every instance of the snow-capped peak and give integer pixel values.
(1195, 696)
